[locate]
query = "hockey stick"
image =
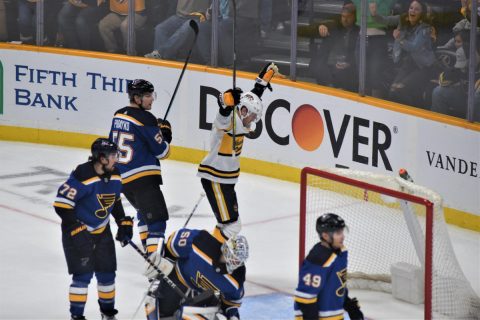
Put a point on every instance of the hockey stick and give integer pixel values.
(184, 226)
(194, 27)
(234, 115)
(194, 209)
(160, 272)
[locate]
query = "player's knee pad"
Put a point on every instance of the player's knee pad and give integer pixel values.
(230, 229)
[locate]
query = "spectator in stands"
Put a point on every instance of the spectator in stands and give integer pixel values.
(77, 22)
(462, 25)
(378, 64)
(174, 33)
(203, 46)
(118, 19)
(27, 18)
(247, 33)
(335, 65)
(412, 53)
(450, 96)
(273, 16)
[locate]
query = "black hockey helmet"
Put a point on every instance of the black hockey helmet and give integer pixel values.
(329, 222)
(139, 87)
(102, 148)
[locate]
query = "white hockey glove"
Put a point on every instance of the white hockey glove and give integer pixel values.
(158, 261)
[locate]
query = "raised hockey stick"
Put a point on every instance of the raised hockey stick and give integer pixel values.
(194, 27)
(194, 209)
(234, 124)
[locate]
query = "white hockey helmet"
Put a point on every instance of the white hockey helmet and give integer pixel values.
(250, 103)
(235, 252)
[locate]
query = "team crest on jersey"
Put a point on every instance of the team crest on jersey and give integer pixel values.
(342, 276)
(204, 283)
(105, 201)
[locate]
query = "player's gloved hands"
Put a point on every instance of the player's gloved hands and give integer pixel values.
(125, 230)
(164, 264)
(166, 129)
(353, 308)
(156, 258)
(266, 75)
(81, 238)
(228, 100)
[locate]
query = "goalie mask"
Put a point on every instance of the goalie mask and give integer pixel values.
(235, 252)
(250, 104)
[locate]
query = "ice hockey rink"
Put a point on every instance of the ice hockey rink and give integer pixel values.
(33, 274)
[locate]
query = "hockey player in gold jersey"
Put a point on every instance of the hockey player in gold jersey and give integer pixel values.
(219, 170)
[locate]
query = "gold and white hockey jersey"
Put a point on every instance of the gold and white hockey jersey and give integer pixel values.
(220, 165)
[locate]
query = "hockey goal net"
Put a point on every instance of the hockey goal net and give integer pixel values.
(390, 221)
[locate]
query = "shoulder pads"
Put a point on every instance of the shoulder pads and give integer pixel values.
(208, 244)
(319, 254)
(145, 117)
(84, 171)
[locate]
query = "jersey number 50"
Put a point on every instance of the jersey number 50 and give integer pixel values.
(122, 140)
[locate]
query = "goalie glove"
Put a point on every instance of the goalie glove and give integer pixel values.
(125, 230)
(157, 259)
(165, 129)
(353, 308)
(228, 100)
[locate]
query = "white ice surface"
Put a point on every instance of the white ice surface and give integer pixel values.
(33, 275)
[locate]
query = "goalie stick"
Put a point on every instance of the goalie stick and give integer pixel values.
(194, 27)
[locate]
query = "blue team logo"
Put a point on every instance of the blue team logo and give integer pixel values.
(342, 277)
(106, 201)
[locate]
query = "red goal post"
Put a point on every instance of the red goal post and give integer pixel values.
(343, 182)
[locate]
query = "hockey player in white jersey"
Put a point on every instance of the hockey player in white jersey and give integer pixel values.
(219, 170)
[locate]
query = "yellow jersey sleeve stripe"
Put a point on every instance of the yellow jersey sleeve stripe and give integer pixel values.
(232, 281)
(202, 254)
(62, 205)
(128, 118)
(141, 174)
(217, 234)
(169, 244)
(91, 180)
(330, 260)
(305, 300)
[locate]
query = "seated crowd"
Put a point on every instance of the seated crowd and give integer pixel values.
(414, 55)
